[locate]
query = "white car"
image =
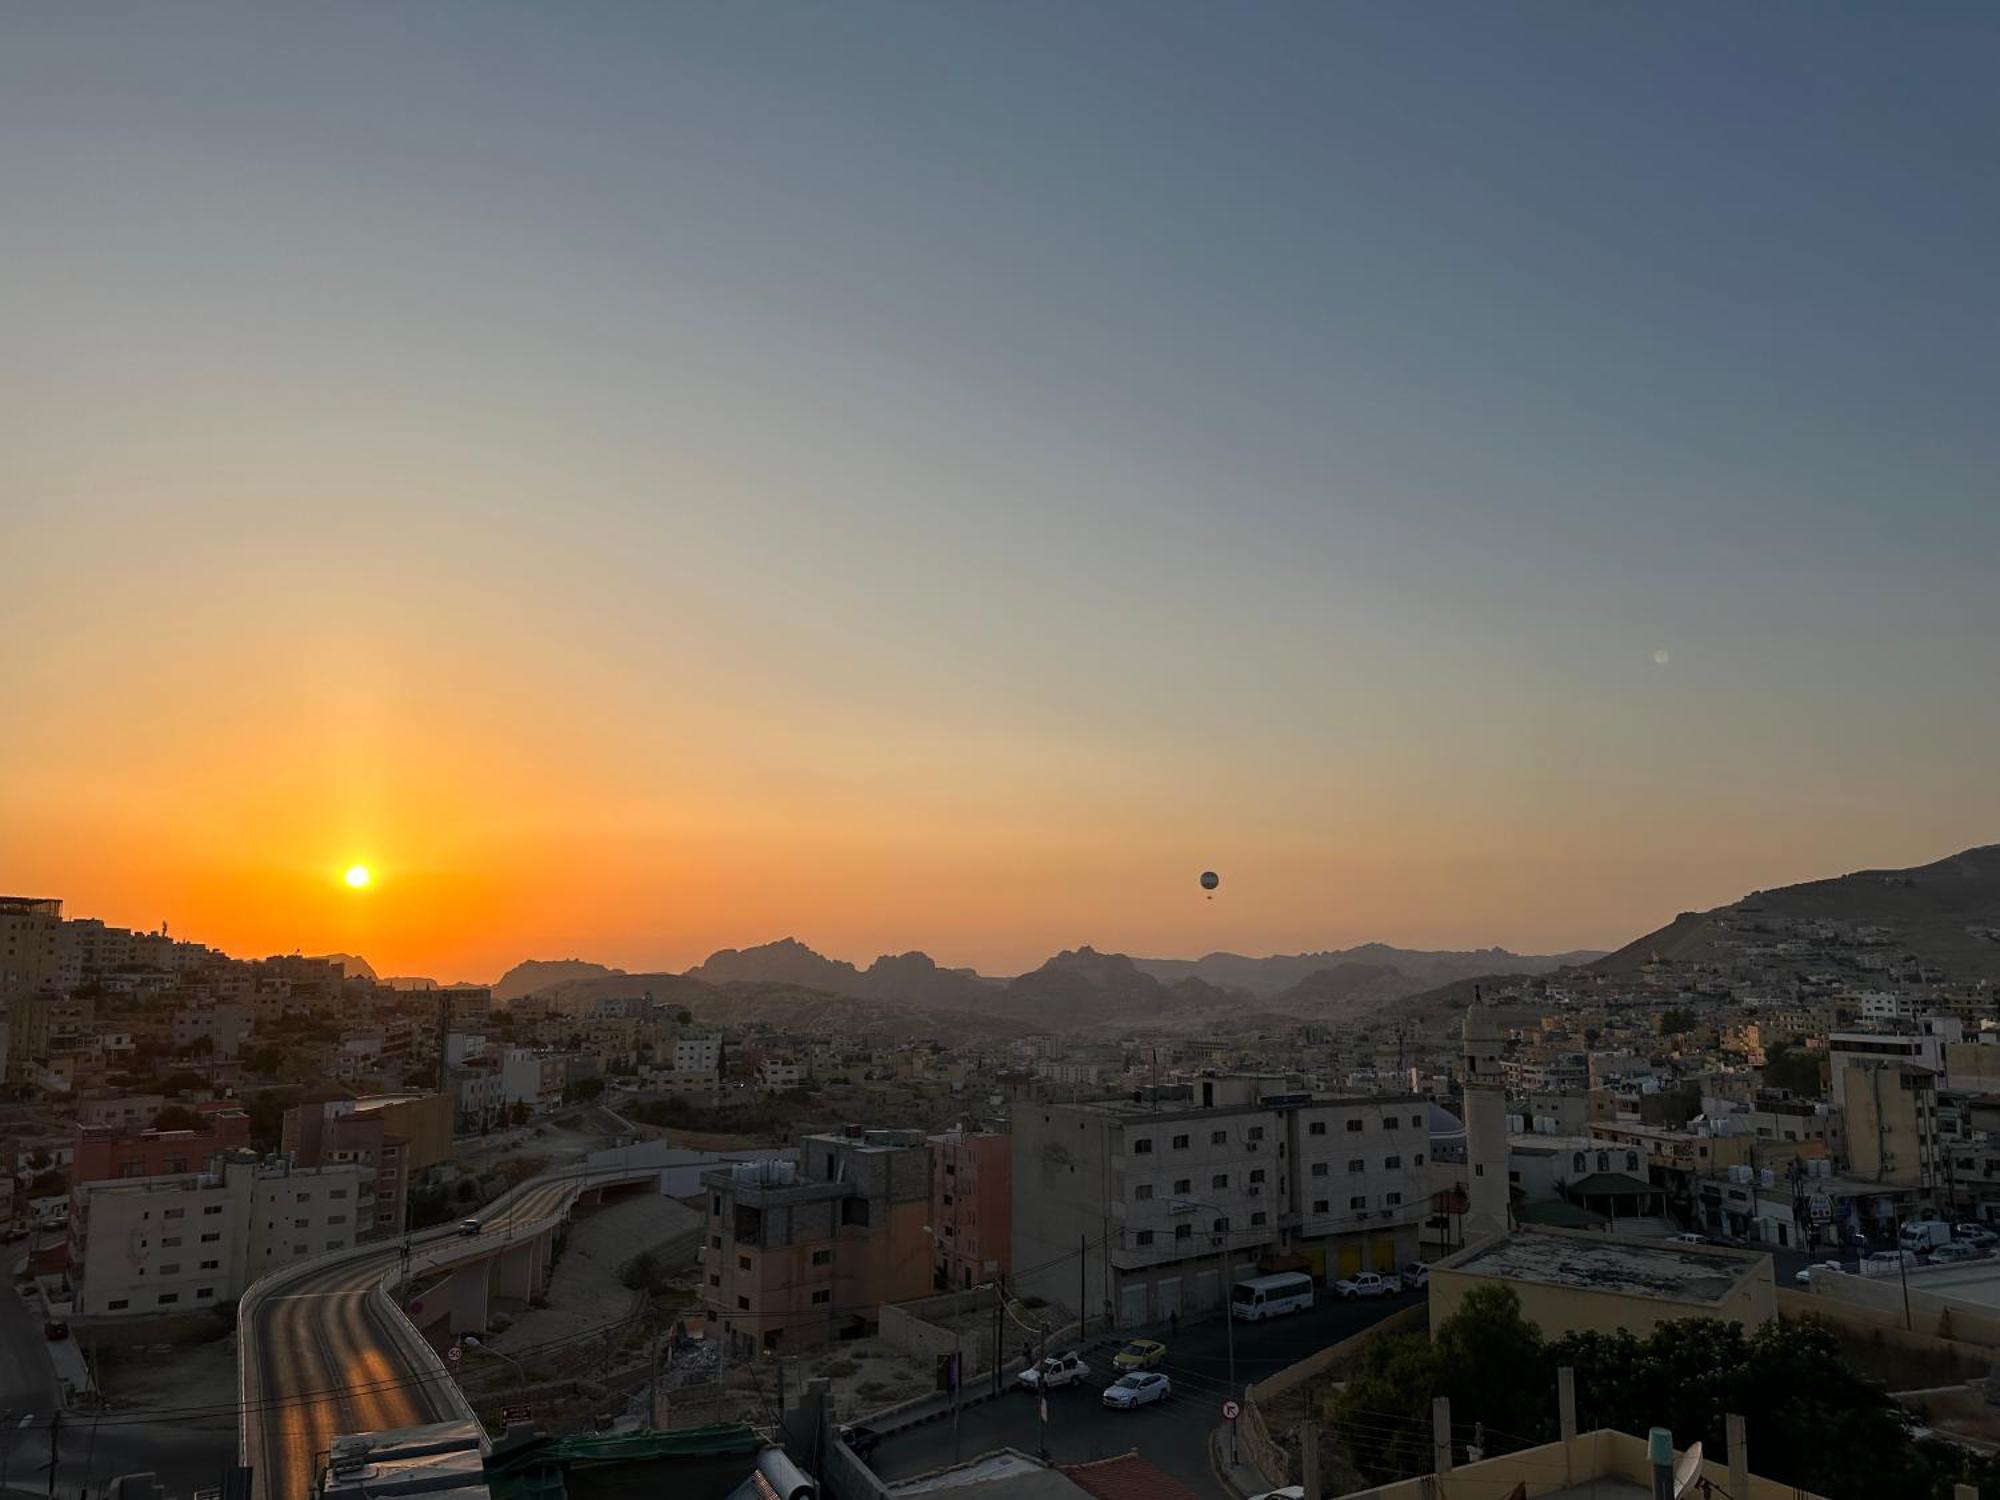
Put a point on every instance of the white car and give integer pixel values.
(1956, 1250)
(1054, 1372)
(1974, 1234)
(1140, 1388)
(1416, 1274)
(1804, 1277)
(1289, 1492)
(1367, 1284)
(1689, 1239)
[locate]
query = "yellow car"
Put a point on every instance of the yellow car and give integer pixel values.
(1140, 1354)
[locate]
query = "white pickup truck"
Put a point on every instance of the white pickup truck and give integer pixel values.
(1057, 1370)
(1368, 1284)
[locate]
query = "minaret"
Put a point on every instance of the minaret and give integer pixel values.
(1485, 1127)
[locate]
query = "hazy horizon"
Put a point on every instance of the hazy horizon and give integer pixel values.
(645, 479)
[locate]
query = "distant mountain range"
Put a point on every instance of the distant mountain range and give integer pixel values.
(543, 973)
(1285, 971)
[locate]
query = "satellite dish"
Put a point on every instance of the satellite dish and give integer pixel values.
(1687, 1472)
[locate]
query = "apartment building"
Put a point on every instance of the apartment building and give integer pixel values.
(800, 1253)
(1891, 1117)
(777, 1075)
(106, 1153)
(183, 1241)
(394, 1138)
(30, 953)
(972, 1208)
(1921, 1044)
(699, 1056)
(1155, 1195)
(531, 1077)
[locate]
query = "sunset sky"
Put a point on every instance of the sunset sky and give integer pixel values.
(644, 478)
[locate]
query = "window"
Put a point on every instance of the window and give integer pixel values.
(298, 1249)
(211, 1265)
(1391, 1163)
(1142, 1192)
(167, 1297)
(1180, 1143)
(1218, 1138)
(1219, 1180)
(715, 1242)
(174, 1213)
(1256, 1132)
(302, 1223)
(1221, 1226)
(1318, 1127)
(1356, 1164)
(1142, 1146)
(822, 1297)
(342, 1192)
(1256, 1174)
(172, 1269)
(213, 1208)
(715, 1281)
(211, 1237)
(1183, 1231)
(1143, 1237)
(1418, 1158)
(203, 1292)
(742, 1262)
(1183, 1184)
(305, 1197)
(743, 1304)
(1393, 1199)
(1632, 1158)
(118, 1304)
(1357, 1202)
(1416, 1122)
(715, 1203)
(1319, 1169)
(1388, 1122)
(1354, 1127)
(169, 1241)
(1576, 1161)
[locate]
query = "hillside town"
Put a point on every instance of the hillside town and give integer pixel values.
(881, 1219)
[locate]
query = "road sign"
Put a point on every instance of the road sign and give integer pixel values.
(514, 1416)
(1230, 1411)
(454, 1354)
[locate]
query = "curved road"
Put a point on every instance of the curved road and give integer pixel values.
(324, 1354)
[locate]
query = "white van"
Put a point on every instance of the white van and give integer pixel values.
(1271, 1296)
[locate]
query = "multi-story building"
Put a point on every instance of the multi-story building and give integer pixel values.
(1921, 1044)
(531, 1077)
(698, 1056)
(779, 1074)
(972, 1207)
(1891, 1119)
(225, 1025)
(183, 1241)
(30, 948)
(800, 1253)
(1155, 1195)
(106, 1154)
(394, 1138)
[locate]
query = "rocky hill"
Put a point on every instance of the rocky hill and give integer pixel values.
(541, 973)
(1421, 968)
(1939, 913)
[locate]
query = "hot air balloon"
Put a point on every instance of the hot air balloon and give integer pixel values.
(1209, 881)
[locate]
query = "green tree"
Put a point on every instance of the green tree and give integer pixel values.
(177, 1117)
(1676, 1019)
(1788, 1067)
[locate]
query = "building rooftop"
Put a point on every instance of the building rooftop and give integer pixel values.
(1601, 1263)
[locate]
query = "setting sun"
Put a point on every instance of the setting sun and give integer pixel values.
(358, 876)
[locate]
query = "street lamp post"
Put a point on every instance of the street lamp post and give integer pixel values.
(471, 1341)
(1182, 1205)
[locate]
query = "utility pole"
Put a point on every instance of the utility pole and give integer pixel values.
(957, 1385)
(1083, 1284)
(55, 1448)
(1042, 1399)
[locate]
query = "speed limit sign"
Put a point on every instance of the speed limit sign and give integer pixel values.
(1231, 1411)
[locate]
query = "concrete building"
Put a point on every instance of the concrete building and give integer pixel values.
(394, 1138)
(778, 1075)
(30, 962)
(697, 1056)
(531, 1077)
(1485, 1111)
(1573, 1282)
(106, 1154)
(799, 1254)
(972, 1207)
(1922, 1044)
(180, 1242)
(1892, 1122)
(1135, 1206)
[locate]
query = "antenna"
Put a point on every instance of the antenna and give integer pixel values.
(1687, 1472)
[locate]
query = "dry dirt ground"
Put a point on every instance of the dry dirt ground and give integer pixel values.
(585, 1292)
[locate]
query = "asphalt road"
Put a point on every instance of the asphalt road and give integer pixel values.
(1173, 1434)
(326, 1360)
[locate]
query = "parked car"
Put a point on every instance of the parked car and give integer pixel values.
(1140, 1354)
(1924, 1234)
(468, 1227)
(1689, 1238)
(1416, 1274)
(1054, 1372)
(1956, 1250)
(1367, 1284)
(1140, 1388)
(863, 1440)
(1974, 1234)
(1804, 1276)
(1289, 1492)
